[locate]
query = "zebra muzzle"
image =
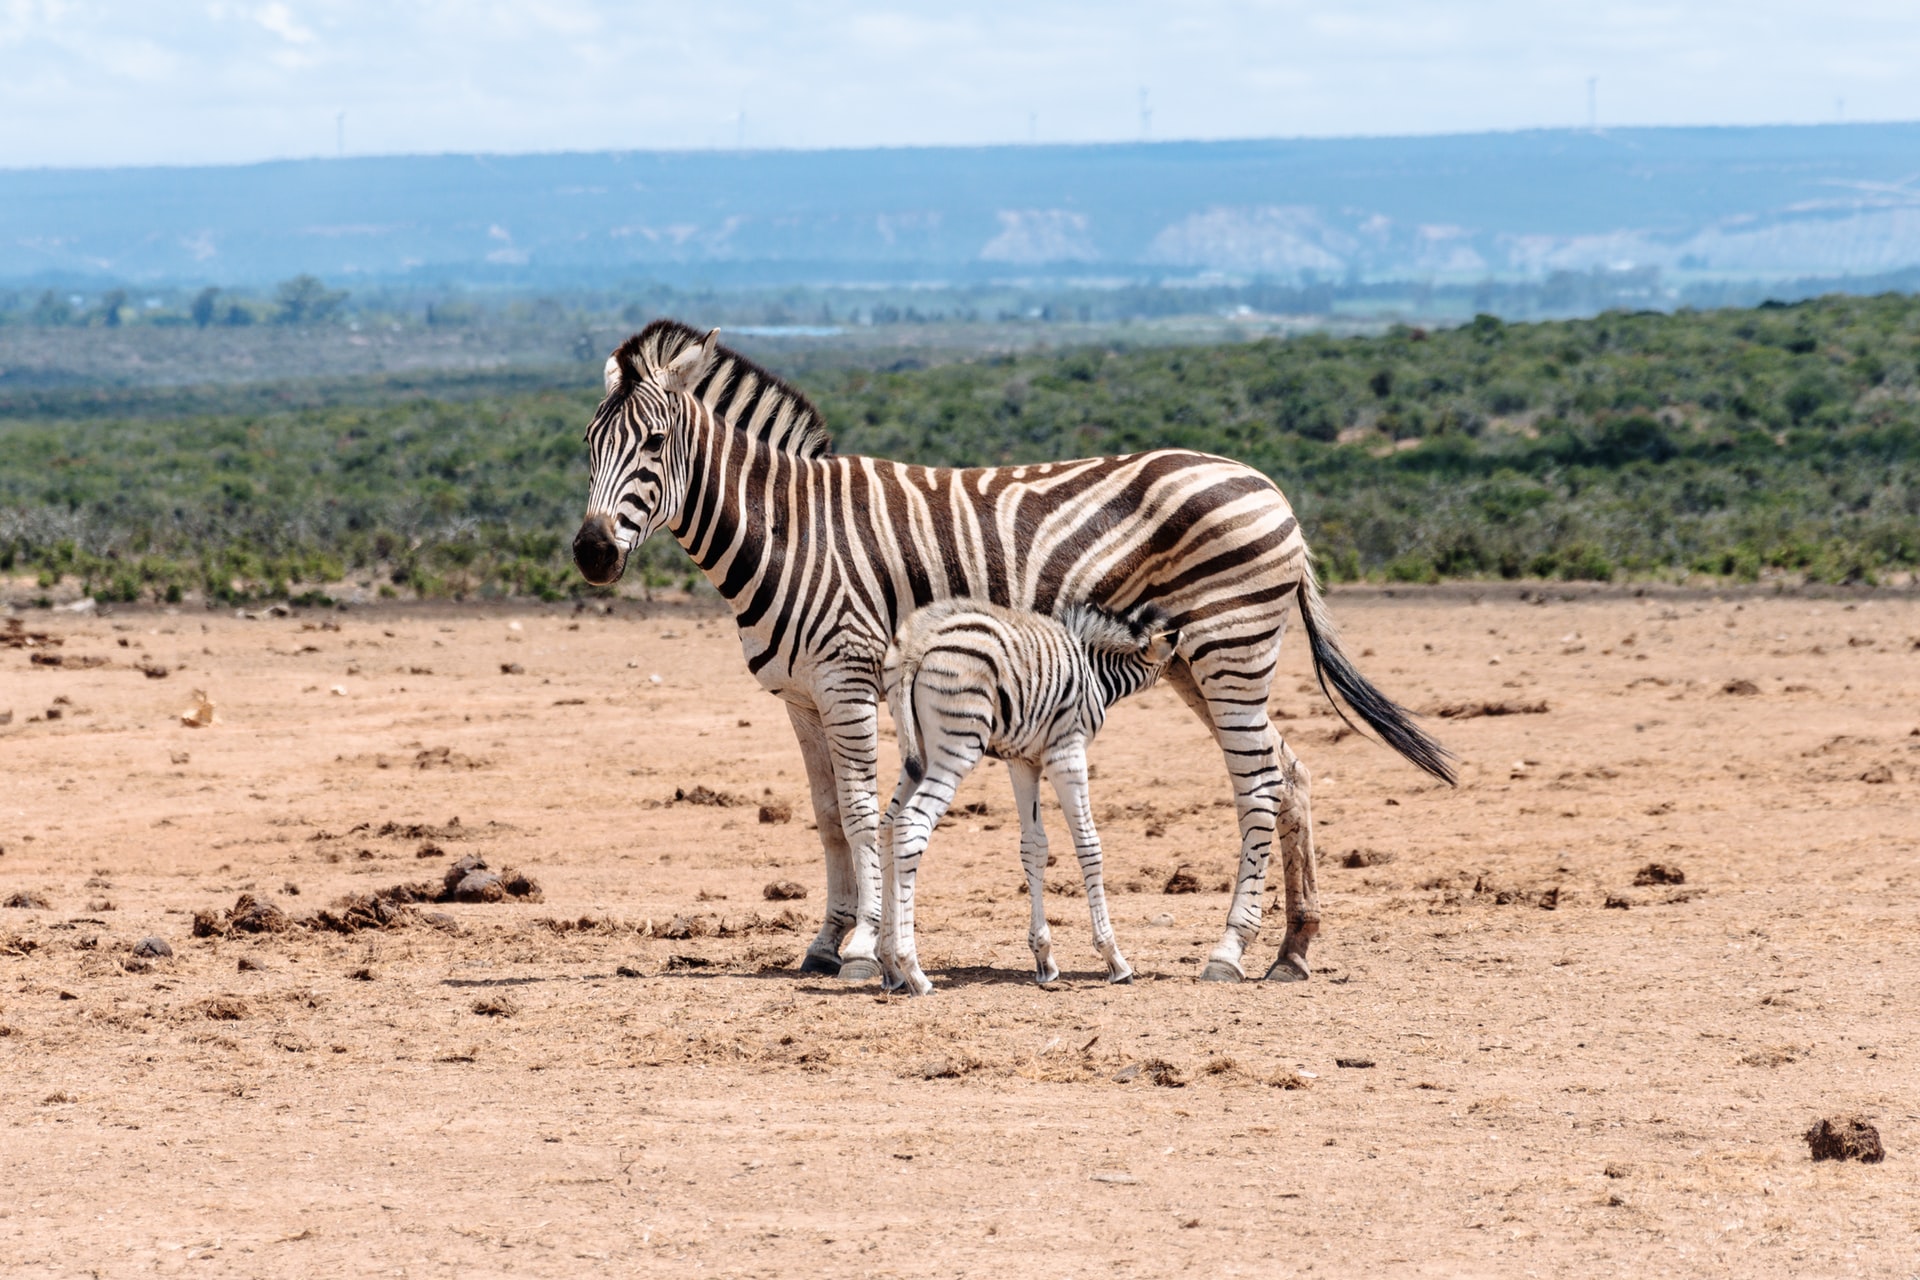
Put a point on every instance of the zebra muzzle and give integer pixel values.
(597, 554)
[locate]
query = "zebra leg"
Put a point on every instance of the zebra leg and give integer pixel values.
(948, 762)
(1033, 859)
(892, 975)
(1235, 709)
(1067, 769)
(1297, 864)
(823, 954)
(851, 720)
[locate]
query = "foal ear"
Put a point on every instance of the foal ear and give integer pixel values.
(684, 372)
(1161, 646)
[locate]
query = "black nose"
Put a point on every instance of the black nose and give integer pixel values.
(595, 551)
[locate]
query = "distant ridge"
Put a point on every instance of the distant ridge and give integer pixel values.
(1698, 203)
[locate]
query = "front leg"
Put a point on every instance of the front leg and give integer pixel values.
(850, 721)
(1067, 768)
(823, 954)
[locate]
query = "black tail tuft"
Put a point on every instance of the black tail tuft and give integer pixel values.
(915, 770)
(1393, 722)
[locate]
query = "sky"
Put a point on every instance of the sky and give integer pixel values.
(134, 82)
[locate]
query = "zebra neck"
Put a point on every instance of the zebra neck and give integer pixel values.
(732, 515)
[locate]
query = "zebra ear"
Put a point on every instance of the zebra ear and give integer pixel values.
(611, 376)
(684, 372)
(1162, 645)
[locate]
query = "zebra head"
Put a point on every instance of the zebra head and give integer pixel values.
(636, 447)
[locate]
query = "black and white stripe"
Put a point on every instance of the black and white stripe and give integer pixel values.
(966, 679)
(821, 556)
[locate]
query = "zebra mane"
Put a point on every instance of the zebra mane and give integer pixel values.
(741, 394)
(1101, 631)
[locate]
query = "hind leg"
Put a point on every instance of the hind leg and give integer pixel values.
(1033, 860)
(1268, 796)
(1298, 867)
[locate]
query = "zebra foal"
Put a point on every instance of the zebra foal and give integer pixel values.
(965, 679)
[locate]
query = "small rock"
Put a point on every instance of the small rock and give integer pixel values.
(629, 971)
(1740, 688)
(784, 891)
(249, 965)
(775, 812)
(1846, 1138)
(1659, 873)
(1163, 921)
(153, 949)
(1358, 1064)
(1618, 902)
(441, 920)
(27, 900)
(496, 1006)
(512, 669)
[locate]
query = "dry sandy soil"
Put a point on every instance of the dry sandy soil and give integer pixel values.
(1544, 1082)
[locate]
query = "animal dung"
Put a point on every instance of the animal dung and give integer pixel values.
(153, 949)
(775, 812)
(1182, 881)
(784, 891)
(1659, 873)
(1846, 1138)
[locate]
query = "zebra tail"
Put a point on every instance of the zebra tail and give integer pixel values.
(1331, 666)
(906, 721)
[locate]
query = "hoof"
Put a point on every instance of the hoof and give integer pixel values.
(829, 965)
(1049, 974)
(1118, 979)
(1222, 971)
(1289, 969)
(859, 970)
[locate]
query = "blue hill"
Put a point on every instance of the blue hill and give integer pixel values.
(1724, 203)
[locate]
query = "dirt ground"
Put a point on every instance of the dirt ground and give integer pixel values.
(1550, 1069)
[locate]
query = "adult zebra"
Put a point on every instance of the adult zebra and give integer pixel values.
(821, 555)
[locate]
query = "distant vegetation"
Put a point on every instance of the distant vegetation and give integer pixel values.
(1736, 444)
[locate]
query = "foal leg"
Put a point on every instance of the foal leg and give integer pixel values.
(1067, 768)
(1033, 858)
(921, 809)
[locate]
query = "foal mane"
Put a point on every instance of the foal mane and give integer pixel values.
(740, 394)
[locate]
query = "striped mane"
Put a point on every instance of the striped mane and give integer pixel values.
(740, 394)
(1099, 630)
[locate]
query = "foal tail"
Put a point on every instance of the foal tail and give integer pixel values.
(906, 719)
(1331, 666)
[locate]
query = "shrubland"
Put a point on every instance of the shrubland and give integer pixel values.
(1739, 443)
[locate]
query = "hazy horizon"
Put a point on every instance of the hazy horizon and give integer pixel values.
(188, 83)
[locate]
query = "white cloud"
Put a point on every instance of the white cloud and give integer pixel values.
(279, 19)
(173, 81)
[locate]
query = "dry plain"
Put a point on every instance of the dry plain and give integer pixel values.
(626, 1077)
